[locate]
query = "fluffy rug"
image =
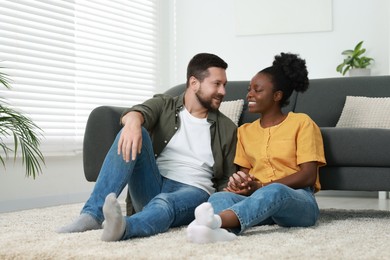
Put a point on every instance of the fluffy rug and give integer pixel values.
(339, 234)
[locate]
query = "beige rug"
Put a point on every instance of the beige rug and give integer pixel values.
(340, 234)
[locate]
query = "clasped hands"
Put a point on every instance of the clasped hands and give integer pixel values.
(243, 183)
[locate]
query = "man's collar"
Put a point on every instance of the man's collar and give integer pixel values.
(211, 115)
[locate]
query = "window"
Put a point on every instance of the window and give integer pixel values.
(66, 57)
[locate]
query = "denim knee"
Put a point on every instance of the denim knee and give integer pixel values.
(163, 202)
(219, 195)
(224, 200)
(273, 191)
(294, 207)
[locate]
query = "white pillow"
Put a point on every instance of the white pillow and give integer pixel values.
(365, 112)
(232, 109)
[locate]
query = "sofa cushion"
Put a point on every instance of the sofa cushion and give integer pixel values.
(359, 147)
(232, 109)
(355, 178)
(366, 112)
(325, 98)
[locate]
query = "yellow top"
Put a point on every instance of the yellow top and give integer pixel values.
(275, 152)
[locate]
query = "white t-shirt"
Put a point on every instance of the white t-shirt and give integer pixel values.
(188, 158)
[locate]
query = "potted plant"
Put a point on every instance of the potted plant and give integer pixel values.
(24, 134)
(355, 62)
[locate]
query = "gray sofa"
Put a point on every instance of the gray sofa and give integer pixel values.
(358, 159)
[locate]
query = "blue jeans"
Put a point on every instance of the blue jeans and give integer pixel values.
(273, 204)
(160, 203)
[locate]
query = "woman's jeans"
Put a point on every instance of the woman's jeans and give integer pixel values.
(273, 204)
(160, 203)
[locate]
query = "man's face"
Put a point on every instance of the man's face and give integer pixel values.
(211, 90)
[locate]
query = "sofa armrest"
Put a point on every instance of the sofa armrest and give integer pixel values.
(100, 132)
(356, 147)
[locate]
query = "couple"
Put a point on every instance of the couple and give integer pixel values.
(181, 157)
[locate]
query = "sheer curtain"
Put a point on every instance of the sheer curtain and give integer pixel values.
(66, 57)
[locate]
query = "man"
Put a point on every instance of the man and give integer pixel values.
(172, 152)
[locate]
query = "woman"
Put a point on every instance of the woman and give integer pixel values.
(278, 158)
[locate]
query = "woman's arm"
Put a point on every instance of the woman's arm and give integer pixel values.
(305, 177)
(245, 184)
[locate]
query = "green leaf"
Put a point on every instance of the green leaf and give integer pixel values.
(4, 80)
(347, 52)
(358, 46)
(354, 59)
(25, 135)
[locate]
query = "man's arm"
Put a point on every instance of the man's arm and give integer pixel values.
(133, 119)
(228, 161)
(130, 141)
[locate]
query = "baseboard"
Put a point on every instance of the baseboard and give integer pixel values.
(47, 201)
(42, 202)
(339, 193)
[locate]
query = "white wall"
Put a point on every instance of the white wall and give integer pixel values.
(62, 182)
(208, 26)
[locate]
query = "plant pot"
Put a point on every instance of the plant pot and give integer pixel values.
(359, 72)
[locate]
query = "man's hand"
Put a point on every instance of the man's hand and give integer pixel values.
(242, 183)
(130, 140)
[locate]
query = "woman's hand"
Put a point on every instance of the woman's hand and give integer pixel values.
(243, 183)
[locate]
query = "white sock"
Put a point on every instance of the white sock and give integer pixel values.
(202, 234)
(204, 215)
(83, 223)
(115, 224)
(206, 228)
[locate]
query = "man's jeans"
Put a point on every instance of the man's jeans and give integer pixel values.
(160, 203)
(273, 204)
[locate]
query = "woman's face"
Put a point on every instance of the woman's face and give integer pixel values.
(261, 96)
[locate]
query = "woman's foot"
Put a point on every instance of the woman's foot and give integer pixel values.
(204, 215)
(202, 234)
(206, 228)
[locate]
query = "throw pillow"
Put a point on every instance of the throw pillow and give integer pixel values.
(365, 112)
(232, 109)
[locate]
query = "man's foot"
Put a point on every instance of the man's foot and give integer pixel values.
(204, 215)
(201, 234)
(83, 223)
(115, 224)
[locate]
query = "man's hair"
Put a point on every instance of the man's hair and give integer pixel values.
(199, 64)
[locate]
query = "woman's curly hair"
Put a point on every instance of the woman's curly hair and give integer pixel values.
(288, 73)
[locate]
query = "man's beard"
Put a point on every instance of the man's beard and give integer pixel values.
(207, 102)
